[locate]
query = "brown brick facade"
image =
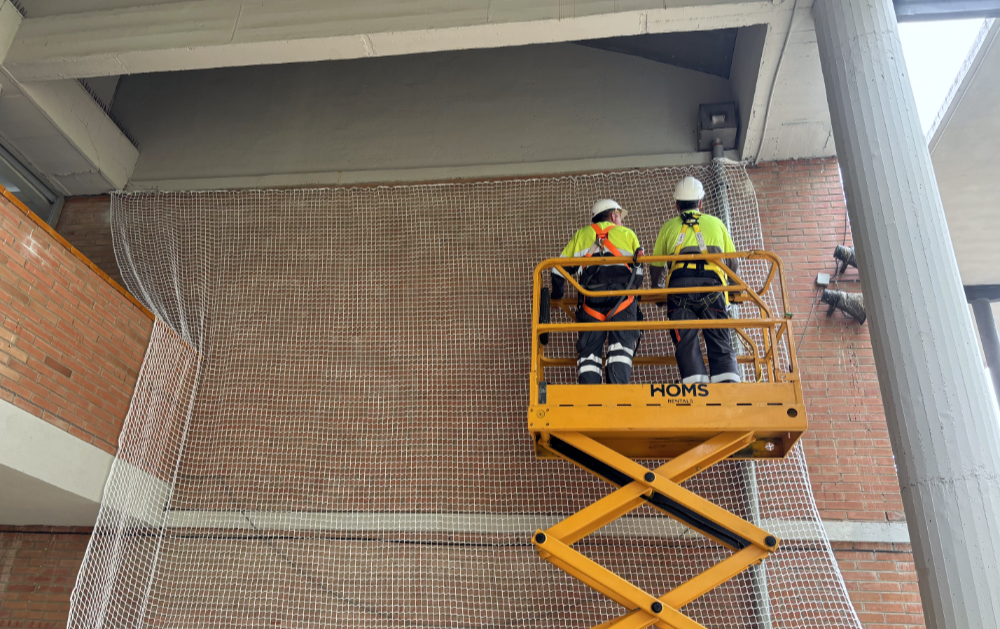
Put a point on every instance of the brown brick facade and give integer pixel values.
(71, 343)
(38, 567)
(802, 212)
(86, 222)
(882, 583)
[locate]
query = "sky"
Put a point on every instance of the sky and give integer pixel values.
(934, 53)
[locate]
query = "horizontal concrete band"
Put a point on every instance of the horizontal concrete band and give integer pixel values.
(413, 175)
(47, 475)
(50, 460)
(478, 523)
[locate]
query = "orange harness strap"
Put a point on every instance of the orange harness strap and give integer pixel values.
(600, 317)
(604, 240)
(605, 243)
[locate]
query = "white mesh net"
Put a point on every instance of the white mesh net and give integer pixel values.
(329, 429)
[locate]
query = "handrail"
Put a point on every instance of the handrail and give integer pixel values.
(774, 329)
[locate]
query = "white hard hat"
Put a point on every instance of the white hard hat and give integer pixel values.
(689, 189)
(603, 205)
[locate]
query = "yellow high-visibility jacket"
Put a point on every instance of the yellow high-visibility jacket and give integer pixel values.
(713, 231)
(584, 243)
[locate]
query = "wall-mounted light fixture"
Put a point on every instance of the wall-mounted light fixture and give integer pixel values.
(845, 258)
(851, 304)
(717, 122)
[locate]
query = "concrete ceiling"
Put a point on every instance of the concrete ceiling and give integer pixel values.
(710, 52)
(963, 148)
(766, 48)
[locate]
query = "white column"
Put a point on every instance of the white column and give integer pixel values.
(944, 431)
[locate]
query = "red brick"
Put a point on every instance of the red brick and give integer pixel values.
(54, 316)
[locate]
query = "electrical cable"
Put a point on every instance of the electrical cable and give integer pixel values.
(836, 283)
(774, 83)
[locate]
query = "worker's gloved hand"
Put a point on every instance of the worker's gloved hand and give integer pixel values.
(661, 304)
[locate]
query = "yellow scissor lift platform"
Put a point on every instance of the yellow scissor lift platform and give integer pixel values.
(605, 428)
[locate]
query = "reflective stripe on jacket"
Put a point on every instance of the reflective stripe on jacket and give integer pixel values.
(584, 244)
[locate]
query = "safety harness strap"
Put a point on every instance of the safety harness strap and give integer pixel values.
(602, 317)
(690, 220)
(604, 242)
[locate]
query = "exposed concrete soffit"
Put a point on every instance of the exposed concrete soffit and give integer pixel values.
(980, 49)
(73, 114)
(31, 446)
(224, 33)
(789, 118)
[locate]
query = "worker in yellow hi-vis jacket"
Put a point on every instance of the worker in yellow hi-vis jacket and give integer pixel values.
(605, 236)
(690, 233)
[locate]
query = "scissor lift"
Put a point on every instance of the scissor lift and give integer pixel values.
(605, 428)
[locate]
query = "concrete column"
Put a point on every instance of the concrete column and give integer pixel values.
(989, 338)
(944, 431)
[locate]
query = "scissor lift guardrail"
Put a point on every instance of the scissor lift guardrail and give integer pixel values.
(605, 428)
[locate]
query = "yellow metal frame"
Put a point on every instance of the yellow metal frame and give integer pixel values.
(604, 428)
(657, 421)
(660, 488)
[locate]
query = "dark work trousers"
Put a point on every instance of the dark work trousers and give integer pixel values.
(721, 357)
(621, 343)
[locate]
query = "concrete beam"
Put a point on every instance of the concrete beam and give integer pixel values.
(517, 523)
(64, 136)
(916, 10)
(225, 33)
(10, 23)
(412, 175)
(58, 129)
(789, 118)
(989, 292)
(81, 121)
(47, 476)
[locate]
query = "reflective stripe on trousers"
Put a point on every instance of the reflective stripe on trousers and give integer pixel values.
(721, 357)
(621, 345)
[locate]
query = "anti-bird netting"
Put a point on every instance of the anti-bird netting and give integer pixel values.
(329, 429)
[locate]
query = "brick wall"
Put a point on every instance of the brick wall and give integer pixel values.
(38, 567)
(71, 343)
(882, 583)
(802, 215)
(802, 212)
(86, 222)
